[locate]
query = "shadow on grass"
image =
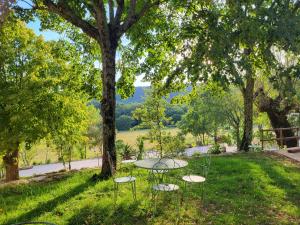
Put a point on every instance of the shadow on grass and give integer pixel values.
(125, 214)
(51, 204)
(23, 192)
(233, 194)
(282, 179)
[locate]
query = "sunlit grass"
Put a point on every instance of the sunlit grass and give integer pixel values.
(247, 189)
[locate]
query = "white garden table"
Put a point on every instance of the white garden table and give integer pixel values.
(161, 164)
(128, 161)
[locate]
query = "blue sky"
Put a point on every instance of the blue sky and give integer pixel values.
(50, 35)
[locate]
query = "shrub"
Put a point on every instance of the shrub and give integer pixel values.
(141, 147)
(196, 155)
(215, 149)
(124, 150)
(124, 122)
(127, 152)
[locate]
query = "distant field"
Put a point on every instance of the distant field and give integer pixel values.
(130, 137)
(40, 153)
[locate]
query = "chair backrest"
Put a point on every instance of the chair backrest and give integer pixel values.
(158, 172)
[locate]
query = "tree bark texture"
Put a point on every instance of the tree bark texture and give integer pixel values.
(277, 115)
(11, 164)
(247, 92)
(108, 105)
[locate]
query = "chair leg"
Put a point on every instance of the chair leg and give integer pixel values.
(202, 197)
(178, 206)
(115, 193)
(133, 188)
(153, 205)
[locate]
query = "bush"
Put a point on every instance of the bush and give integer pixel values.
(215, 149)
(174, 144)
(225, 139)
(124, 150)
(124, 122)
(196, 155)
(141, 147)
(127, 152)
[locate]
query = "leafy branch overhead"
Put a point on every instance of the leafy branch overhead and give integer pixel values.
(94, 18)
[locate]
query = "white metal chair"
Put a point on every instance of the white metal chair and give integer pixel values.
(122, 180)
(160, 186)
(196, 177)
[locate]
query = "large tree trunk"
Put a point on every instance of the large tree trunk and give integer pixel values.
(248, 113)
(11, 163)
(108, 106)
(277, 114)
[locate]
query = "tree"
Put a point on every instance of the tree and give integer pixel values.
(152, 116)
(206, 112)
(105, 22)
(227, 41)
(282, 100)
(124, 122)
(5, 6)
(39, 94)
(94, 130)
(211, 109)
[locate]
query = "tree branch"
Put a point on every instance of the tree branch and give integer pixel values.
(119, 12)
(134, 16)
(297, 6)
(102, 22)
(62, 9)
(111, 10)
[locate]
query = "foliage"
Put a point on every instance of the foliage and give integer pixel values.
(94, 128)
(215, 149)
(97, 27)
(42, 90)
(174, 144)
(229, 42)
(152, 116)
(141, 147)
(244, 189)
(124, 150)
(26, 154)
(206, 112)
(127, 152)
(294, 119)
(124, 122)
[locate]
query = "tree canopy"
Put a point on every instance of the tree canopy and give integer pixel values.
(39, 92)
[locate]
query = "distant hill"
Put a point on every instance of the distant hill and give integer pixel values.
(139, 95)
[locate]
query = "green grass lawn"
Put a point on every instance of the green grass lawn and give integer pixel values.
(252, 188)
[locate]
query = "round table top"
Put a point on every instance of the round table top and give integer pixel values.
(128, 161)
(161, 164)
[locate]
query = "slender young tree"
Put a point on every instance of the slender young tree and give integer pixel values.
(152, 116)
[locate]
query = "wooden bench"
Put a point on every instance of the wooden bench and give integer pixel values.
(293, 150)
